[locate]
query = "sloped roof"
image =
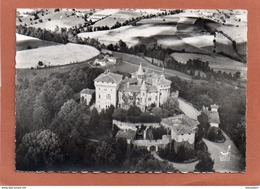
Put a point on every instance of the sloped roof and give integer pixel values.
(163, 81)
(87, 91)
(127, 134)
(140, 70)
(152, 89)
(143, 87)
(130, 88)
(181, 124)
(109, 77)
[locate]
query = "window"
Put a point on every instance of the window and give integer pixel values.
(149, 99)
(108, 96)
(99, 97)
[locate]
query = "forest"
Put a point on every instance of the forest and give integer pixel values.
(54, 131)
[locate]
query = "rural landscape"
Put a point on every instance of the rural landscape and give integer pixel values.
(131, 90)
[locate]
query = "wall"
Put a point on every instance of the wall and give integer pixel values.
(132, 126)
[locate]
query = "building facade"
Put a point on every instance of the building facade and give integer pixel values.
(142, 90)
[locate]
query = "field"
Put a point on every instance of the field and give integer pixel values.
(55, 55)
(24, 43)
(65, 18)
(130, 63)
(216, 62)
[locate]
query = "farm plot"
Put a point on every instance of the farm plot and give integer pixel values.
(55, 55)
(129, 34)
(24, 43)
(117, 16)
(49, 19)
(216, 62)
(130, 63)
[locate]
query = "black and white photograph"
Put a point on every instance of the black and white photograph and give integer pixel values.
(130, 90)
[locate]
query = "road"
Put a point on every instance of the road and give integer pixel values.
(215, 149)
(188, 109)
(182, 167)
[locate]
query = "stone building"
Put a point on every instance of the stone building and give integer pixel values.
(143, 89)
(183, 130)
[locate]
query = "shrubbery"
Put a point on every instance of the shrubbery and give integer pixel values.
(135, 115)
(215, 134)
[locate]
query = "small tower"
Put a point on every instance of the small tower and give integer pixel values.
(143, 90)
(214, 108)
(163, 74)
(140, 75)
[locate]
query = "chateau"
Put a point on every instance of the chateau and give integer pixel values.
(143, 89)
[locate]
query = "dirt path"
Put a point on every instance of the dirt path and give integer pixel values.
(233, 165)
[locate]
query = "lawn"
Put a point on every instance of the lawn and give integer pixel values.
(217, 62)
(65, 18)
(24, 43)
(55, 55)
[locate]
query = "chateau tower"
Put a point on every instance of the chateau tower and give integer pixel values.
(140, 75)
(143, 90)
(106, 86)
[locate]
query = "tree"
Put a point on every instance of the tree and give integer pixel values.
(39, 150)
(203, 126)
(120, 114)
(153, 164)
(205, 164)
(104, 153)
(41, 114)
(171, 106)
(134, 111)
(157, 111)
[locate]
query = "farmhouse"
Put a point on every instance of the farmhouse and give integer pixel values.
(142, 90)
(104, 61)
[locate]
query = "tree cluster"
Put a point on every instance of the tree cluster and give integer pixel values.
(135, 115)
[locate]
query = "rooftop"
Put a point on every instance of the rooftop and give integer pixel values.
(109, 77)
(127, 134)
(181, 124)
(87, 91)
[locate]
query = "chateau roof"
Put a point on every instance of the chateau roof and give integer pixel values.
(127, 134)
(140, 70)
(109, 77)
(130, 88)
(136, 88)
(143, 87)
(181, 124)
(87, 91)
(163, 81)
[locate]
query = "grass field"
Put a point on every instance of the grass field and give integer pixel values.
(64, 18)
(55, 55)
(129, 34)
(24, 43)
(130, 63)
(216, 62)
